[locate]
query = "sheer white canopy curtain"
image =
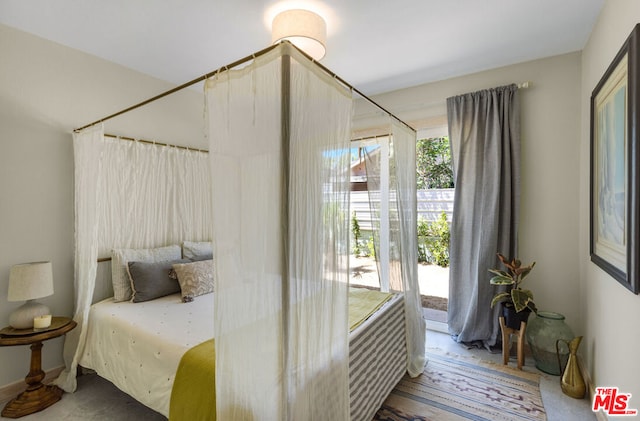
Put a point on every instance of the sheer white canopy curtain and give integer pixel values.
(172, 192)
(273, 197)
(484, 131)
(391, 182)
(279, 133)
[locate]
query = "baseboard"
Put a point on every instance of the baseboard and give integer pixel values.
(12, 390)
(437, 326)
(601, 416)
(591, 391)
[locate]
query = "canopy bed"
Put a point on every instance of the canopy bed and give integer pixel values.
(272, 199)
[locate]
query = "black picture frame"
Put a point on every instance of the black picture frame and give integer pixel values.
(615, 154)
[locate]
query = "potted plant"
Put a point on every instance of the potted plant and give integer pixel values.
(517, 302)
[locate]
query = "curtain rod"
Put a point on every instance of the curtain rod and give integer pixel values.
(151, 142)
(231, 66)
(179, 88)
(372, 137)
(348, 85)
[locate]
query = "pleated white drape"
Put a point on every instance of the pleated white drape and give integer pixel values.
(391, 179)
(87, 150)
(129, 195)
(153, 196)
(279, 140)
(403, 184)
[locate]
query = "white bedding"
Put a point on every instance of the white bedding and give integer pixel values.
(137, 346)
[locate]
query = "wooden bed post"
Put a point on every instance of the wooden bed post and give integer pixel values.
(285, 110)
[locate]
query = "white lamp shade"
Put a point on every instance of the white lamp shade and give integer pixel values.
(29, 281)
(303, 28)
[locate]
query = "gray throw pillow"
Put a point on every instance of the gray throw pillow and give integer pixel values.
(151, 280)
(196, 250)
(202, 257)
(119, 269)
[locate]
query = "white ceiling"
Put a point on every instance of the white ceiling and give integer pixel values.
(375, 45)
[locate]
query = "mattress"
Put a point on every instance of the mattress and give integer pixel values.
(138, 346)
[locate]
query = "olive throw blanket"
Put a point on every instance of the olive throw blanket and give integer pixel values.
(363, 303)
(193, 395)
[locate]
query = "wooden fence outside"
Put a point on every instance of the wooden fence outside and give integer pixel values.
(431, 203)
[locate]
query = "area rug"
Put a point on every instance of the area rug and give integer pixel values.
(463, 388)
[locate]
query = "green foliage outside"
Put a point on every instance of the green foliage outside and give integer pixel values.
(371, 249)
(361, 247)
(433, 241)
(433, 164)
(356, 249)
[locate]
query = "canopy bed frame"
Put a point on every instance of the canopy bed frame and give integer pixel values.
(278, 207)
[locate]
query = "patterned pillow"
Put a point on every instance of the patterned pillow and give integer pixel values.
(195, 278)
(119, 258)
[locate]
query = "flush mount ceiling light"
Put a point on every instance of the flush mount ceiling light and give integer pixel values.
(305, 29)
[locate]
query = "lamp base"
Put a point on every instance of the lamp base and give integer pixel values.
(22, 317)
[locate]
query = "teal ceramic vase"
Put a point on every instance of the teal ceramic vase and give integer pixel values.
(543, 331)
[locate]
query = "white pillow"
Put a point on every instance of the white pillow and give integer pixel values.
(197, 250)
(120, 257)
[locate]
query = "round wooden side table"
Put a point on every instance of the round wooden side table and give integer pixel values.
(38, 396)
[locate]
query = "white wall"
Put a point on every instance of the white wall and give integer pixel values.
(611, 312)
(550, 134)
(46, 90)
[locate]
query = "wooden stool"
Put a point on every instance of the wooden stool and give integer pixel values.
(506, 340)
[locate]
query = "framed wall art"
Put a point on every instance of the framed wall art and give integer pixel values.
(615, 157)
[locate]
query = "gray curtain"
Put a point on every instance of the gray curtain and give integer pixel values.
(484, 131)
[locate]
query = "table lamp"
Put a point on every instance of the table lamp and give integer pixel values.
(28, 281)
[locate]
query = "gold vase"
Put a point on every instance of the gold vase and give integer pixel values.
(571, 381)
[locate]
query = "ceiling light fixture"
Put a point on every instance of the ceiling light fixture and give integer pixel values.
(303, 28)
